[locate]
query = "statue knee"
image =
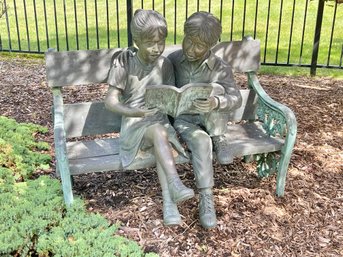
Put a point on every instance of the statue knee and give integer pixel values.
(159, 130)
(201, 141)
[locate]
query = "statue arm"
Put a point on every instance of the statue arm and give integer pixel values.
(229, 99)
(113, 104)
(226, 91)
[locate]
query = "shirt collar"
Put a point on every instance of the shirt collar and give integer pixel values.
(209, 61)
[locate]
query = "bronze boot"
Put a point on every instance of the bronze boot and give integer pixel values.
(222, 149)
(171, 215)
(207, 213)
(178, 191)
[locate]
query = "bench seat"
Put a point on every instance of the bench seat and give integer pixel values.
(101, 155)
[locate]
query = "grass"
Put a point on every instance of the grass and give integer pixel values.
(265, 69)
(301, 71)
(64, 30)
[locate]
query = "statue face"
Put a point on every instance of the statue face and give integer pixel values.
(194, 49)
(149, 49)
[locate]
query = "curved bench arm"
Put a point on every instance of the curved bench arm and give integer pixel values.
(278, 120)
(61, 147)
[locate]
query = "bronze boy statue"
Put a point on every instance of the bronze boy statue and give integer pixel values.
(195, 63)
(141, 128)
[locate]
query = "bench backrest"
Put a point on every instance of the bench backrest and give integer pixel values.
(91, 66)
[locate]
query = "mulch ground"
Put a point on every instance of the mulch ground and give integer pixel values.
(252, 221)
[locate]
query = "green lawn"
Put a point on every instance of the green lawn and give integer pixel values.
(109, 30)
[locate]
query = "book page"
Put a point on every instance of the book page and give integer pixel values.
(163, 97)
(175, 101)
(189, 93)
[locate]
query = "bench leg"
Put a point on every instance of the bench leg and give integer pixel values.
(286, 153)
(60, 146)
(282, 171)
(63, 168)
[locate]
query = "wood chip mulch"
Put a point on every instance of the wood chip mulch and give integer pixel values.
(252, 221)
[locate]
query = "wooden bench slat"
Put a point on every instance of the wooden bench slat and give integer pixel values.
(247, 111)
(93, 148)
(112, 163)
(95, 164)
(103, 154)
(243, 56)
(79, 67)
(250, 138)
(84, 119)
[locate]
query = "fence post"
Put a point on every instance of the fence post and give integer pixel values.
(316, 40)
(129, 18)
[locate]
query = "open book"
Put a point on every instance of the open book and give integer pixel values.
(175, 101)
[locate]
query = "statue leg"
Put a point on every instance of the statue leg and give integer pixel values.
(200, 144)
(216, 126)
(171, 215)
(163, 154)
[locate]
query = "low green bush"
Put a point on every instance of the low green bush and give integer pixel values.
(19, 150)
(34, 220)
(28, 210)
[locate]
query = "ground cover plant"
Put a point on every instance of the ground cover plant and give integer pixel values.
(33, 219)
(19, 150)
(252, 221)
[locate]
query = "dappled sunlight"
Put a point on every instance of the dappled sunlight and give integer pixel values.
(251, 219)
(313, 86)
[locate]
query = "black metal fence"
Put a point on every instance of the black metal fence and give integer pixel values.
(306, 33)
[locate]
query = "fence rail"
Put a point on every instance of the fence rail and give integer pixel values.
(292, 33)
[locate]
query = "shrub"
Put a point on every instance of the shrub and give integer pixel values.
(34, 220)
(19, 150)
(28, 210)
(82, 234)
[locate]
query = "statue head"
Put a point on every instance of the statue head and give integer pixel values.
(202, 31)
(149, 31)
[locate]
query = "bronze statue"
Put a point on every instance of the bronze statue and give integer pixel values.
(195, 63)
(143, 129)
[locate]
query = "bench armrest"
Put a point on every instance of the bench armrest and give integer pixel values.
(280, 121)
(60, 145)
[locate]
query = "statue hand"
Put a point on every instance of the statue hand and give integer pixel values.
(206, 105)
(140, 112)
(150, 111)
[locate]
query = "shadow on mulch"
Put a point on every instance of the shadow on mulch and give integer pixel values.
(116, 188)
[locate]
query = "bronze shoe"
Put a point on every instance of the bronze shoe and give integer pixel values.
(171, 215)
(222, 150)
(178, 191)
(207, 213)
